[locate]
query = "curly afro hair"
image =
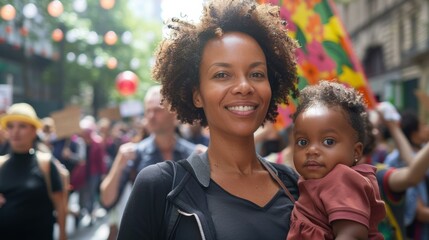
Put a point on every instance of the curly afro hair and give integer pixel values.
(179, 55)
(333, 94)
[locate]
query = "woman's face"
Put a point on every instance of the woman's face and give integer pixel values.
(21, 135)
(234, 89)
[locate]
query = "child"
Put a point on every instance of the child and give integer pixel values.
(338, 200)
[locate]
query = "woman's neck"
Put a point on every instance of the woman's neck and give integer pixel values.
(230, 155)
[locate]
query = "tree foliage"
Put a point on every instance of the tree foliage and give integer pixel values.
(81, 79)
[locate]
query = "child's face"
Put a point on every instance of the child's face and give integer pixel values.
(323, 139)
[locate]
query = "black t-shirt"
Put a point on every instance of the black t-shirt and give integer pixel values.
(28, 211)
(238, 218)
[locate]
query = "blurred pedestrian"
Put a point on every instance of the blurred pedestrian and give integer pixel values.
(394, 182)
(417, 201)
(163, 144)
(194, 133)
(95, 167)
(28, 194)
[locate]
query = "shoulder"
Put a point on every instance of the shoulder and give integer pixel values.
(145, 143)
(44, 160)
(341, 171)
(159, 174)
(284, 170)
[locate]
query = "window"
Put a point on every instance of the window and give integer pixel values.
(374, 61)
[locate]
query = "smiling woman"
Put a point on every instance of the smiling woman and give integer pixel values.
(228, 71)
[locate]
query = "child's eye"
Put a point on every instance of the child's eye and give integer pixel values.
(301, 142)
(329, 141)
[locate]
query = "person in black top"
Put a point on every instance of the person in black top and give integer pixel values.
(229, 71)
(26, 207)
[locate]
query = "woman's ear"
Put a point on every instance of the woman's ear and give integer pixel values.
(197, 99)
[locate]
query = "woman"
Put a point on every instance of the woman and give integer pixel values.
(30, 190)
(227, 72)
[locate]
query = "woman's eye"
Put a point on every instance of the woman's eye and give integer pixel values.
(257, 75)
(301, 142)
(220, 75)
(329, 142)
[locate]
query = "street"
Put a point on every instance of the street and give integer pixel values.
(99, 230)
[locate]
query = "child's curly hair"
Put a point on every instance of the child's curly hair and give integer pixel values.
(179, 55)
(333, 94)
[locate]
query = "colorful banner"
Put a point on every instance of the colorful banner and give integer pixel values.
(325, 51)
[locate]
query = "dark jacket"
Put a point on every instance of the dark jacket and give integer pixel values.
(185, 215)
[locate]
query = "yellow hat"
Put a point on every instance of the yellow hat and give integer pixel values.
(22, 112)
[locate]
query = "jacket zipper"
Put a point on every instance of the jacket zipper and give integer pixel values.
(200, 227)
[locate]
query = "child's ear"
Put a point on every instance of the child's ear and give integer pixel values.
(197, 99)
(358, 150)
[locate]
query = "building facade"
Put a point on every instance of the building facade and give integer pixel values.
(26, 50)
(391, 39)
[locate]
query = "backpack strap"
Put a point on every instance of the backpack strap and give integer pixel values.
(171, 213)
(282, 185)
(44, 162)
(3, 159)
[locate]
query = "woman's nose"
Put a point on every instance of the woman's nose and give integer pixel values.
(243, 86)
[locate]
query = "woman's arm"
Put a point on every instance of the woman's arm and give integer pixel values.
(58, 200)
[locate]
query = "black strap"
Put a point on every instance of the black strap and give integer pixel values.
(282, 185)
(169, 212)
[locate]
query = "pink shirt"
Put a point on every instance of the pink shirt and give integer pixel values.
(346, 193)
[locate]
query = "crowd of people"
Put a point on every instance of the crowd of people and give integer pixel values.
(207, 162)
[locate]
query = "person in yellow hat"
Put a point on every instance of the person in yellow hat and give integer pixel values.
(26, 206)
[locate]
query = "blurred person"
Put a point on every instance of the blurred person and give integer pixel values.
(394, 182)
(141, 131)
(95, 167)
(68, 150)
(383, 142)
(285, 156)
(113, 138)
(47, 134)
(194, 133)
(162, 144)
(30, 190)
(229, 71)
(417, 201)
(268, 140)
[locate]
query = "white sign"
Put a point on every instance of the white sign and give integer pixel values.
(5, 97)
(131, 108)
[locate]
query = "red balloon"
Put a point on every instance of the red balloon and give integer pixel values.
(126, 83)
